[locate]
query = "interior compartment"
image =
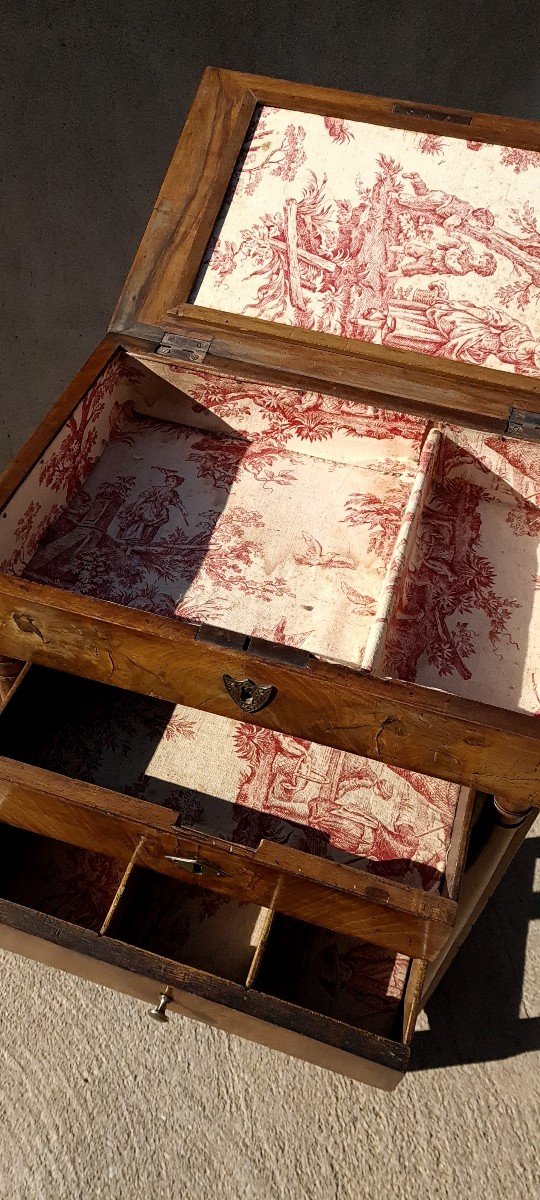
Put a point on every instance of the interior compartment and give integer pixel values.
(466, 616)
(236, 781)
(359, 986)
(415, 241)
(338, 976)
(268, 511)
(188, 924)
(58, 879)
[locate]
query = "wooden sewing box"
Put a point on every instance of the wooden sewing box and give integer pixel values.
(270, 578)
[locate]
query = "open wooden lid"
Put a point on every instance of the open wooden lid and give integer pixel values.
(351, 241)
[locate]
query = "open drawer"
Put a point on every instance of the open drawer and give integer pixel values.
(332, 1000)
(221, 543)
(322, 835)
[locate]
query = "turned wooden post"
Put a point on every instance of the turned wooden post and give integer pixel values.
(510, 814)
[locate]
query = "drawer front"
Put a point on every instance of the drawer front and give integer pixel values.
(356, 914)
(261, 1019)
(55, 810)
(273, 876)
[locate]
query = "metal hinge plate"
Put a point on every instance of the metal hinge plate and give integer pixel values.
(272, 652)
(185, 347)
(523, 424)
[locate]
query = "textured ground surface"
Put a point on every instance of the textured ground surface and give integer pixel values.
(96, 1100)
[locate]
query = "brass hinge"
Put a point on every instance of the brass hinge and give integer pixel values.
(272, 652)
(524, 425)
(185, 347)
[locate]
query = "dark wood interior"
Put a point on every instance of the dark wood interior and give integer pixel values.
(57, 878)
(188, 924)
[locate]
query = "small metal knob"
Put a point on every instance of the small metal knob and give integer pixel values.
(158, 1012)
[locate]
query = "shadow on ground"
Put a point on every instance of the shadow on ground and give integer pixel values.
(477, 1014)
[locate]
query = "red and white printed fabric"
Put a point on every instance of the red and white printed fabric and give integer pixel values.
(247, 534)
(409, 240)
(468, 614)
(244, 783)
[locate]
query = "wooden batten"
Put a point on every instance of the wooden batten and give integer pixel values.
(480, 879)
(122, 886)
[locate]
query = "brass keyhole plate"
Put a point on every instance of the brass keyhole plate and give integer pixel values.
(248, 695)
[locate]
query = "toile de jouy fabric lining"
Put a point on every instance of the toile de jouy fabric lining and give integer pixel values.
(65, 464)
(213, 528)
(311, 423)
(399, 562)
(383, 564)
(411, 240)
(248, 529)
(106, 513)
(466, 616)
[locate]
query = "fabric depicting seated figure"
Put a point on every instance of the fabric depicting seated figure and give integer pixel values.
(206, 527)
(284, 418)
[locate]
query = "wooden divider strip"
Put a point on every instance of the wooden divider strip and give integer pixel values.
(122, 886)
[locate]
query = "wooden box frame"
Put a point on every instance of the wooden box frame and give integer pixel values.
(407, 725)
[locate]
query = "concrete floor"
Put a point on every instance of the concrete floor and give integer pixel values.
(94, 1099)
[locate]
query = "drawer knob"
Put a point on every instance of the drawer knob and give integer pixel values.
(159, 1011)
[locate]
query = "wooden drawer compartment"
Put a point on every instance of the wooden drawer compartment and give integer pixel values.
(323, 836)
(57, 878)
(335, 1001)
